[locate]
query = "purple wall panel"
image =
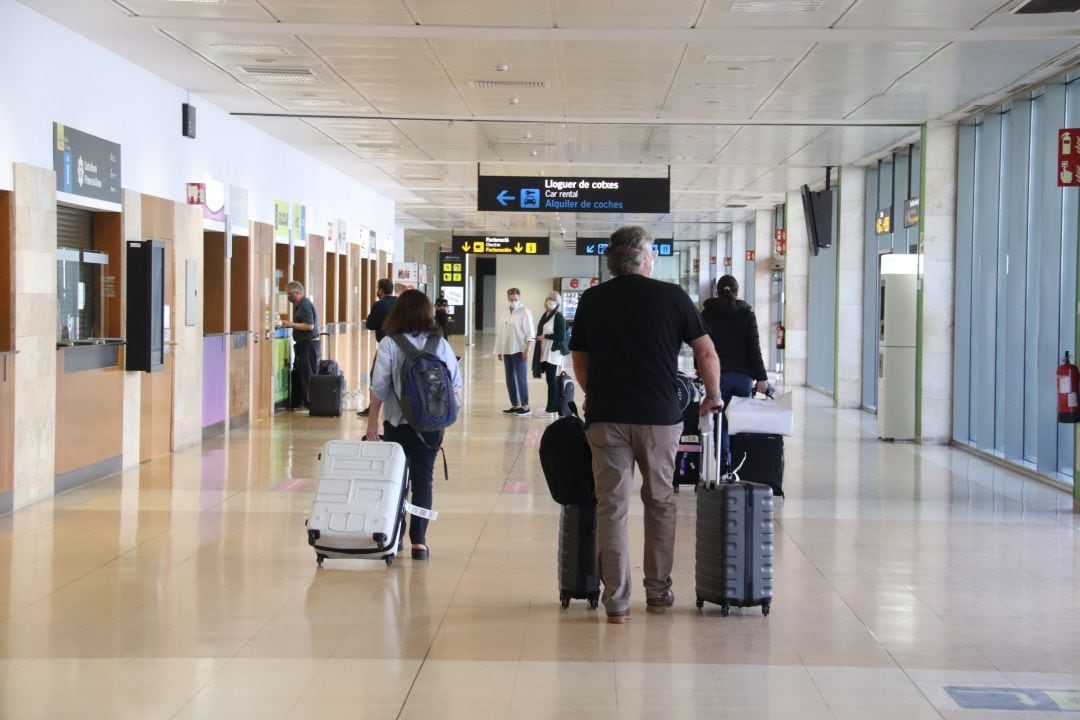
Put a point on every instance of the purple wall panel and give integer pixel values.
(215, 379)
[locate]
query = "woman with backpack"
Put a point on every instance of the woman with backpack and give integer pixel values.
(733, 328)
(411, 321)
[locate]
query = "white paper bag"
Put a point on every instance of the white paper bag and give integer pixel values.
(768, 417)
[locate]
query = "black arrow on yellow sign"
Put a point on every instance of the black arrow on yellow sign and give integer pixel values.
(517, 248)
(465, 247)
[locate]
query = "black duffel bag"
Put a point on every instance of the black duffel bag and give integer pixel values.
(567, 461)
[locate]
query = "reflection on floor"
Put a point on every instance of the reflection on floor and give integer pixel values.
(185, 589)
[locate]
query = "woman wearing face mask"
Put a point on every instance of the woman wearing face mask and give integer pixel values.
(513, 340)
(551, 338)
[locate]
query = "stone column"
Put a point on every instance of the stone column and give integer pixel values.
(849, 291)
(937, 247)
(763, 300)
(132, 229)
(796, 292)
(738, 255)
(188, 350)
(34, 421)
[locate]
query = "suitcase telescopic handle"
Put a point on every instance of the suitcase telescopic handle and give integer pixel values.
(713, 475)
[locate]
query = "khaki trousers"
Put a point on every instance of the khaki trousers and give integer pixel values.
(615, 449)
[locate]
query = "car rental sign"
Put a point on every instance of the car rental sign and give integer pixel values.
(512, 193)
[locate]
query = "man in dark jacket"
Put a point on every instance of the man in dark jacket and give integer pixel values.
(305, 327)
(384, 291)
(734, 332)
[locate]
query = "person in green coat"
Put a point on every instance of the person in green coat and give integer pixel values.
(551, 341)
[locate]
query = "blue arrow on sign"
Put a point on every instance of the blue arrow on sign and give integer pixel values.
(590, 249)
(502, 197)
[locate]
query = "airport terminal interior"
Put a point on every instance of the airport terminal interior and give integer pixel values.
(893, 186)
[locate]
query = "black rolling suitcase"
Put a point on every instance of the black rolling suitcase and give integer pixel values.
(734, 551)
(579, 578)
(764, 459)
(327, 389)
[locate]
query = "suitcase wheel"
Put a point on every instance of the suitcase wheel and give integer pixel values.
(594, 601)
(700, 602)
(676, 487)
(564, 600)
(389, 560)
(765, 609)
(725, 609)
(319, 559)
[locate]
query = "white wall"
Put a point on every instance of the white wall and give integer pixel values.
(56, 75)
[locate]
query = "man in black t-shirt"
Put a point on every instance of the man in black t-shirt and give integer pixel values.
(305, 327)
(380, 310)
(625, 347)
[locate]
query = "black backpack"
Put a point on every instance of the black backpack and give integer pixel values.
(567, 461)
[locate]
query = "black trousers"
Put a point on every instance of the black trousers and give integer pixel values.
(420, 455)
(305, 364)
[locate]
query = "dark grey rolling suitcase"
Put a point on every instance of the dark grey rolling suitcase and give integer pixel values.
(327, 392)
(579, 578)
(734, 552)
(566, 393)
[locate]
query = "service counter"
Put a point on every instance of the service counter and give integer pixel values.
(89, 412)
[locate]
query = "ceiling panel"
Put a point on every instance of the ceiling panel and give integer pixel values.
(482, 13)
(765, 145)
(846, 145)
(935, 14)
(375, 12)
(233, 10)
(630, 13)
(718, 14)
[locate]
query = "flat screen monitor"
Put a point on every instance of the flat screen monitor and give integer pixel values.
(818, 207)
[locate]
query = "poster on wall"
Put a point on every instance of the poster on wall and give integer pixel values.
(342, 238)
(210, 194)
(361, 241)
(373, 243)
(299, 224)
(406, 277)
(85, 164)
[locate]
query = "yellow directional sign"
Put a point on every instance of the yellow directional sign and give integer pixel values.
(502, 245)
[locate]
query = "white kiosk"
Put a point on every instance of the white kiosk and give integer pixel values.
(896, 347)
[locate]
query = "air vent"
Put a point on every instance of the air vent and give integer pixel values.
(1046, 7)
(377, 145)
(504, 84)
(525, 143)
(735, 206)
(226, 49)
(776, 6)
(316, 103)
(282, 75)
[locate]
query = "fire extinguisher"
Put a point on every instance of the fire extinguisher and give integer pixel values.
(780, 337)
(1068, 384)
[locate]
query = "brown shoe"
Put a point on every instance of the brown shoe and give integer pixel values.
(661, 602)
(618, 618)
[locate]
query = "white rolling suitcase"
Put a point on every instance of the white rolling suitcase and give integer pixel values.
(359, 507)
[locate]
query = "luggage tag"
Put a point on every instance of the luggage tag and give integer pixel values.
(420, 512)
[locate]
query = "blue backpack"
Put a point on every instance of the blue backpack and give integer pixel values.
(425, 389)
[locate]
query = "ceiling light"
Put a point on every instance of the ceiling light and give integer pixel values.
(775, 6)
(503, 66)
(534, 153)
(377, 145)
(724, 58)
(723, 86)
(514, 100)
(527, 135)
(500, 84)
(282, 75)
(228, 49)
(319, 103)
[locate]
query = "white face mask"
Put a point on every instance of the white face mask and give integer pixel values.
(515, 304)
(551, 304)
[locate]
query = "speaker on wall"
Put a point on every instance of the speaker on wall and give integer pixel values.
(146, 306)
(188, 121)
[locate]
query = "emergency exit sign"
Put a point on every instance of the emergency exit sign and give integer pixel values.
(1068, 169)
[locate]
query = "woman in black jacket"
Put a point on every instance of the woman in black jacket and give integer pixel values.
(551, 340)
(734, 331)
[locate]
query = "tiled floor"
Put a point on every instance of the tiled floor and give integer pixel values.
(185, 589)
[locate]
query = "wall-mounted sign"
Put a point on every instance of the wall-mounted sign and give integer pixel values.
(211, 195)
(85, 164)
(911, 212)
(502, 245)
(299, 223)
(514, 193)
(578, 284)
(596, 246)
(281, 221)
(727, 262)
(751, 256)
(1068, 171)
(883, 222)
(406, 276)
(780, 242)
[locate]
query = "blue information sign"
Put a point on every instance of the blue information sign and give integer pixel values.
(515, 193)
(664, 247)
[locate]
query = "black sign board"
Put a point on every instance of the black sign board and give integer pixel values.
(511, 193)
(663, 247)
(911, 212)
(883, 222)
(502, 245)
(86, 165)
(452, 269)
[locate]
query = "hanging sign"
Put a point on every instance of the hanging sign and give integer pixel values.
(578, 284)
(751, 256)
(1068, 171)
(512, 193)
(780, 242)
(502, 245)
(911, 212)
(596, 246)
(883, 222)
